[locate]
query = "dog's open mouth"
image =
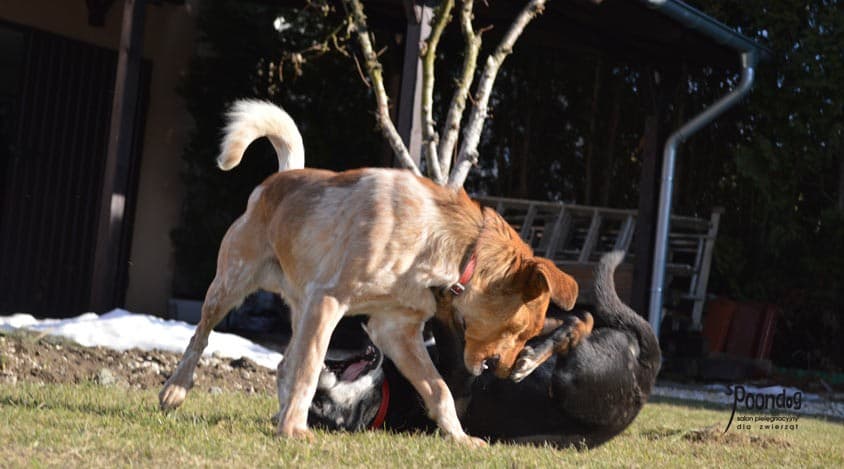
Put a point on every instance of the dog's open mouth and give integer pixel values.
(351, 368)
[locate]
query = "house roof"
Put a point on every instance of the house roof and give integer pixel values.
(644, 31)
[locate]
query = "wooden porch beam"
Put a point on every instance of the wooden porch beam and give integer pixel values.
(646, 218)
(115, 176)
(419, 14)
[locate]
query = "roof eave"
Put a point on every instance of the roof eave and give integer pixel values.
(699, 21)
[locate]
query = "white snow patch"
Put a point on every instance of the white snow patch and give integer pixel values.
(121, 330)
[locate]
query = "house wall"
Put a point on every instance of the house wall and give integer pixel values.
(168, 44)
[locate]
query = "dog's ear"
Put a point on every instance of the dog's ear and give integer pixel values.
(562, 286)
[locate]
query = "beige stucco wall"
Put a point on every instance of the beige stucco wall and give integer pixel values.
(168, 44)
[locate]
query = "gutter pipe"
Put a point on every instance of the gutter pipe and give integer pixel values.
(749, 51)
(669, 158)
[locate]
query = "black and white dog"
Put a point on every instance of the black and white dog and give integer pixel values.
(562, 392)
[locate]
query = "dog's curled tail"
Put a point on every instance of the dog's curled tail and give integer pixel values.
(606, 298)
(609, 307)
(612, 311)
(252, 119)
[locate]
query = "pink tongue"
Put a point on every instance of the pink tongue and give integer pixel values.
(353, 371)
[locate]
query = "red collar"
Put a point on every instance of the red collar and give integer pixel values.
(385, 402)
(460, 286)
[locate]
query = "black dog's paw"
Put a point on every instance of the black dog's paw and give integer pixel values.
(565, 337)
(527, 361)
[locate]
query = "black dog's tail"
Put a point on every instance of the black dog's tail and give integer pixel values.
(611, 311)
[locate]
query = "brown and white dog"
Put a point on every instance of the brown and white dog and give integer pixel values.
(376, 242)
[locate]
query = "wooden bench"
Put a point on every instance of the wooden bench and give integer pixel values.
(576, 236)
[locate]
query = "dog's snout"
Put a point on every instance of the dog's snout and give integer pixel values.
(492, 362)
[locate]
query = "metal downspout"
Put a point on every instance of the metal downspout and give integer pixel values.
(748, 64)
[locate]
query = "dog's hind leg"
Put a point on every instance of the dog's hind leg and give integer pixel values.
(565, 337)
(237, 273)
(215, 307)
(299, 371)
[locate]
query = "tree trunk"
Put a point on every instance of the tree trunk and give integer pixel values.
(524, 151)
(501, 186)
(841, 182)
(590, 144)
(643, 238)
(524, 154)
(609, 153)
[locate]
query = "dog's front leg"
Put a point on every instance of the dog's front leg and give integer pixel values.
(452, 366)
(400, 338)
(562, 339)
(299, 371)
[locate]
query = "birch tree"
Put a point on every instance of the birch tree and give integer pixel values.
(443, 164)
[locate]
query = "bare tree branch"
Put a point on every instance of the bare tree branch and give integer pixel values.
(335, 40)
(442, 16)
(451, 126)
(468, 155)
(373, 67)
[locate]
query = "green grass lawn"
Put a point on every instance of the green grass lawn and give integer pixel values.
(89, 425)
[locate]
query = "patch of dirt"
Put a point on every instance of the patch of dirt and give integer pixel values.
(27, 356)
(660, 433)
(716, 435)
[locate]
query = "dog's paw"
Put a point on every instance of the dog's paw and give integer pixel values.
(296, 433)
(469, 441)
(172, 396)
(525, 364)
(581, 330)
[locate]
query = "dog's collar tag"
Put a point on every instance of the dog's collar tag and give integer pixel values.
(460, 286)
(382, 410)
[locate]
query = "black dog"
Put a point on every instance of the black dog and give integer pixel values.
(573, 388)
